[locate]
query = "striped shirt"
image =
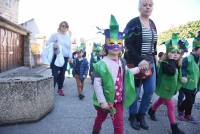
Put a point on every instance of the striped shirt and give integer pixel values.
(147, 40)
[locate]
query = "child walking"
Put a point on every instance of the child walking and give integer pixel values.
(80, 71)
(96, 56)
(183, 46)
(167, 83)
(190, 76)
(113, 82)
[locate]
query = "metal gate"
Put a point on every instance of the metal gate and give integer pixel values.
(11, 49)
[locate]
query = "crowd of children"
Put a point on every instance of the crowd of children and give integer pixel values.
(113, 81)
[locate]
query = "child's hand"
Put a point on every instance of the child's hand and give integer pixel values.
(70, 61)
(180, 62)
(135, 70)
(105, 105)
(184, 79)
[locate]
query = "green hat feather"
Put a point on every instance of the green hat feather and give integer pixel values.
(97, 47)
(114, 28)
(196, 41)
(172, 44)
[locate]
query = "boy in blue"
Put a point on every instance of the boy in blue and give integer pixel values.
(190, 79)
(80, 71)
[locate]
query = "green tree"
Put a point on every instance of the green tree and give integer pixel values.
(193, 26)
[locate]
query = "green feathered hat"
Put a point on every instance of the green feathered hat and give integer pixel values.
(196, 41)
(97, 47)
(172, 44)
(113, 37)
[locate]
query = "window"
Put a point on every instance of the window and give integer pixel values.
(8, 3)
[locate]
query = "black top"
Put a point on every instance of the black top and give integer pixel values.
(169, 67)
(133, 41)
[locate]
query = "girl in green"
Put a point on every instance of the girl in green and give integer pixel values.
(114, 86)
(167, 83)
(191, 74)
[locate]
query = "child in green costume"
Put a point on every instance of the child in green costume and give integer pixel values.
(190, 77)
(113, 82)
(167, 82)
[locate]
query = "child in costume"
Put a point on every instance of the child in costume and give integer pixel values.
(167, 82)
(183, 46)
(95, 57)
(190, 77)
(80, 71)
(113, 82)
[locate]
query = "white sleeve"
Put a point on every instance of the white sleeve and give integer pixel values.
(134, 70)
(52, 39)
(70, 51)
(99, 90)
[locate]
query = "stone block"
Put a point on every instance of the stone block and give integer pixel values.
(25, 98)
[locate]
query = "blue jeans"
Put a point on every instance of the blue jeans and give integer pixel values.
(149, 86)
(59, 74)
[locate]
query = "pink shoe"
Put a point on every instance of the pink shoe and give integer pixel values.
(181, 117)
(190, 119)
(61, 92)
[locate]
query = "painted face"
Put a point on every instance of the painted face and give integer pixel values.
(146, 7)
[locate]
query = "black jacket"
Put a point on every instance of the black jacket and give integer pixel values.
(133, 42)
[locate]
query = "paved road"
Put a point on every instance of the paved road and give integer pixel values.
(72, 116)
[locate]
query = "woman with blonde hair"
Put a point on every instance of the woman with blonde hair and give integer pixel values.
(62, 39)
(141, 44)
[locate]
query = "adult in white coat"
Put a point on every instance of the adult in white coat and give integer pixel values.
(63, 41)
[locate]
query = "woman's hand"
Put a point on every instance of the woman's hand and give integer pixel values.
(143, 65)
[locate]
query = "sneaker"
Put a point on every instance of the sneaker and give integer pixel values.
(81, 96)
(181, 116)
(190, 119)
(61, 92)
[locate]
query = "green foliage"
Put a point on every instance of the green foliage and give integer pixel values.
(184, 30)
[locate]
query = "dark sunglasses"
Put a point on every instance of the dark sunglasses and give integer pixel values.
(65, 26)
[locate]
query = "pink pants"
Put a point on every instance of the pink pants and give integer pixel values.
(170, 108)
(118, 119)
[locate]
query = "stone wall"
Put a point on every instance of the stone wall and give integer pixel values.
(25, 98)
(9, 10)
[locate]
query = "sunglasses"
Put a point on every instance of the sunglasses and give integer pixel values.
(65, 26)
